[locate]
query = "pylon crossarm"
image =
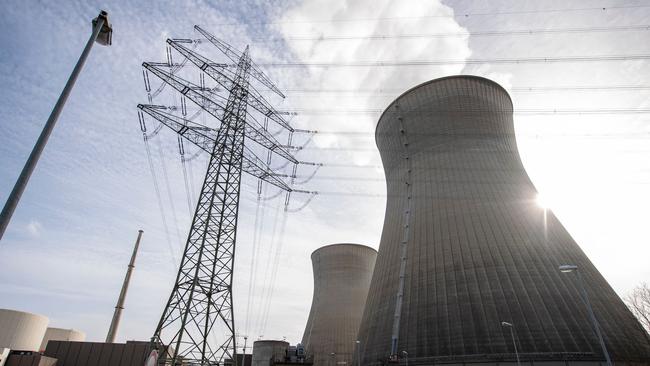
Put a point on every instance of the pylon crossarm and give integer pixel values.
(198, 134)
(192, 91)
(234, 55)
(204, 138)
(256, 133)
(225, 78)
(197, 95)
(256, 167)
(221, 75)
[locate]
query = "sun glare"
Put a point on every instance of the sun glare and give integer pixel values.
(542, 201)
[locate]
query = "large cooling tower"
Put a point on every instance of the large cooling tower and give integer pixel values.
(342, 275)
(464, 246)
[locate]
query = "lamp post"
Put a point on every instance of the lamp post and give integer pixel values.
(512, 335)
(358, 343)
(333, 358)
(406, 357)
(245, 341)
(102, 34)
(568, 268)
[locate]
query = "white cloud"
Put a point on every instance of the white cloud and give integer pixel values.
(34, 228)
(319, 18)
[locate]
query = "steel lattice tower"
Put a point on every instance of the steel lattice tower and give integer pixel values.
(202, 295)
(200, 307)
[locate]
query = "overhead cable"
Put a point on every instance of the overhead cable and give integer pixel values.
(519, 89)
(442, 62)
(452, 15)
(487, 33)
(534, 111)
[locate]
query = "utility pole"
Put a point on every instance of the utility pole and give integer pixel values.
(102, 34)
(245, 342)
(117, 315)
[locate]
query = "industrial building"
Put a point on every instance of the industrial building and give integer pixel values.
(342, 275)
(276, 353)
(267, 352)
(465, 247)
(131, 353)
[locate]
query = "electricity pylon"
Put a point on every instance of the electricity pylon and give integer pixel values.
(197, 326)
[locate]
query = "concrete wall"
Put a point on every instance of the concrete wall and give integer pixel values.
(477, 251)
(21, 331)
(342, 275)
(98, 354)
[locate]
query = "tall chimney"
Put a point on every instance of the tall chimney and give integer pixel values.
(115, 323)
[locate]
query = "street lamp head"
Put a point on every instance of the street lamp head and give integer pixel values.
(566, 268)
(357, 341)
(506, 324)
(405, 353)
(105, 36)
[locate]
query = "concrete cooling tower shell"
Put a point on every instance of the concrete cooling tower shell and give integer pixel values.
(342, 275)
(267, 351)
(60, 334)
(464, 232)
(21, 331)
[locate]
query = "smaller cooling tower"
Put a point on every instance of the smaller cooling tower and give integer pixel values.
(342, 274)
(266, 351)
(21, 331)
(60, 334)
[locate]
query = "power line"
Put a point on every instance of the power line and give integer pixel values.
(269, 268)
(371, 133)
(527, 112)
(257, 228)
(524, 89)
(276, 266)
(453, 16)
(524, 60)
(486, 33)
(521, 89)
(172, 253)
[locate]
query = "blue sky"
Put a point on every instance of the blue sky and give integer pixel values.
(66, 250)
